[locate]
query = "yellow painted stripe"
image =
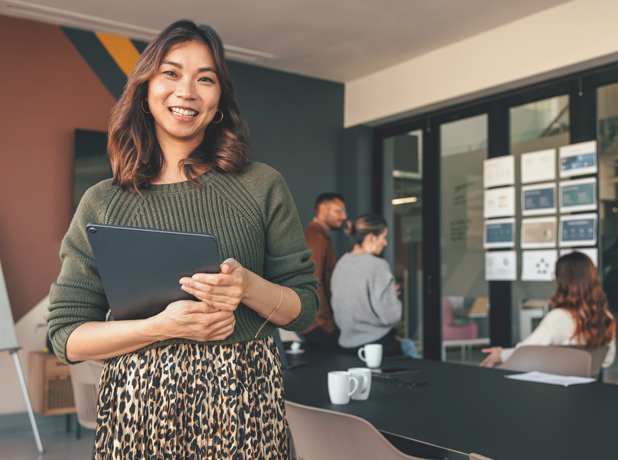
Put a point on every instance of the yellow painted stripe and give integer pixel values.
(121, 50)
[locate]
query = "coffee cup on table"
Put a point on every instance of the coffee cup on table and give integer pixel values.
(341, 385)
(371, 354)
(363, 375)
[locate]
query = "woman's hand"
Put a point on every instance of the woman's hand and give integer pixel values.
(187, 319)
(493, 356)
(219, 291)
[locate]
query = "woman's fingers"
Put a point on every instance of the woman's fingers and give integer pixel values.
(229, 265)
(219, 299)
(212, 326)
(223, 291)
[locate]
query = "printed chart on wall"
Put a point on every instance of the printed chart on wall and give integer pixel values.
(499, 171)
(578, 195)
(499, 202)
(578, 230)
(501, 266)
(539, 232)
(499, 233)
(538, 199)
(578, 159)
(538, 166)
(538, 265)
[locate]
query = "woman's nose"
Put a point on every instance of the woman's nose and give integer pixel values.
(186, 89)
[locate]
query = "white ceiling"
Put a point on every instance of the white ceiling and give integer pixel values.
(339, 40)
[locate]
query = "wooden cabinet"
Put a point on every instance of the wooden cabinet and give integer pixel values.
(49, 385)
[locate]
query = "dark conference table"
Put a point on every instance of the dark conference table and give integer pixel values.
(457, 409)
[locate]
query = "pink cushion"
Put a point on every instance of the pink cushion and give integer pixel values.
(459, 331)
(447, 311)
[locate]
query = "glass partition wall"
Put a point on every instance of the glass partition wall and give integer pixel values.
(463, 147)
(607, 125)
(403, 210)
(430, 172)
(536, 126)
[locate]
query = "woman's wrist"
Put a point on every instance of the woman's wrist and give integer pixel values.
(249, 288)
(155, 328)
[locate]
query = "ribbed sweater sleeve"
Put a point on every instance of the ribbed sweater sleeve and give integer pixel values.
(252, 215)
(78, 296)
(286, 247)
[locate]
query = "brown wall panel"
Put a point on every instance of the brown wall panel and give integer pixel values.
(46, 91)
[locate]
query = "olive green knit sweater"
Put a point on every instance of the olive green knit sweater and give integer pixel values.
(251, 214)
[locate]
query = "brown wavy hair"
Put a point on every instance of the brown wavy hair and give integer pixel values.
(579, 291)
(134, 151)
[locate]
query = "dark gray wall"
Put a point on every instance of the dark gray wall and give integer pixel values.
(296, 126)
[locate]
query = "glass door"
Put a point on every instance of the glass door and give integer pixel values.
(607, 129)
(402, 207)
(465, 296)
(536, 126)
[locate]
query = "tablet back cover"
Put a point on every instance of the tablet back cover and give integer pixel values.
(141, 268)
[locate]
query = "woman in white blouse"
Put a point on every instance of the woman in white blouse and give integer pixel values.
(579, 314)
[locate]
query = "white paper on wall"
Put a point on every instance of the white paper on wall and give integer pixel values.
(499, 171)
(538, 265)
(501, 266)
(538, 166)
(499, 233)
(578, 195)
(578, 159)
(539, 232)
(578, 230)
(538, 199)
(499, 202)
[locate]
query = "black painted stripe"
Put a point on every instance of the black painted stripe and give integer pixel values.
(139, 45)
(99, 60)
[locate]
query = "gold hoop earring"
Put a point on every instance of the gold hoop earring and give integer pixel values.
(143, 109)
(220, 119)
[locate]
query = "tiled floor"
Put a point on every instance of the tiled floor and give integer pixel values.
(57, 446)
(64, 446)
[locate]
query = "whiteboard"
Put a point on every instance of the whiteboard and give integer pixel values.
(8, 336)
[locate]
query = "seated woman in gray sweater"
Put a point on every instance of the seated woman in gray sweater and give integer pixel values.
(364, 294)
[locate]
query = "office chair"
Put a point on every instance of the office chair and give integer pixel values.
(598, 356)
(551, 359)
(321, 434)
(85, 378)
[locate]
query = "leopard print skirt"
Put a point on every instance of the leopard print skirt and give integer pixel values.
(193, 401)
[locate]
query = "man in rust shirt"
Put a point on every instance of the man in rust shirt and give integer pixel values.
(329, 215)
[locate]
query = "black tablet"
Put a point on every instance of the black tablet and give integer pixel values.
(141, 268)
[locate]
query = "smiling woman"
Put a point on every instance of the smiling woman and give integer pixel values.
(178, 99)
(202, 379)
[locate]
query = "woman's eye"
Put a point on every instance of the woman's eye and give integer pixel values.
(169, 72)
(207, 79)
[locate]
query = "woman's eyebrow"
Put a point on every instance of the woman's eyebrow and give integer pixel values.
(180, 66)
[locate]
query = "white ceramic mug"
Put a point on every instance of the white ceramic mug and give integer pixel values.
(371, 354)
(339, 383)
(363, 375)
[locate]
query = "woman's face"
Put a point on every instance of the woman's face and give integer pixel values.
(183, 96)
(378, 242)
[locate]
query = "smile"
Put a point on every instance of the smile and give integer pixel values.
(187, 113)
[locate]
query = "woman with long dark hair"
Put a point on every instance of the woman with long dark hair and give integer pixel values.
(201, 379)
(364, 293)
(579, 314)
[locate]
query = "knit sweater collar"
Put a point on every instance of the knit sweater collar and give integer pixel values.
(180, 186)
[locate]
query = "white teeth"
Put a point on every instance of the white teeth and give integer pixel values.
(184, 112)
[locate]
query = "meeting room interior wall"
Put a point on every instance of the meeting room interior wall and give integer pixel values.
(49, 90)
(558, 41)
